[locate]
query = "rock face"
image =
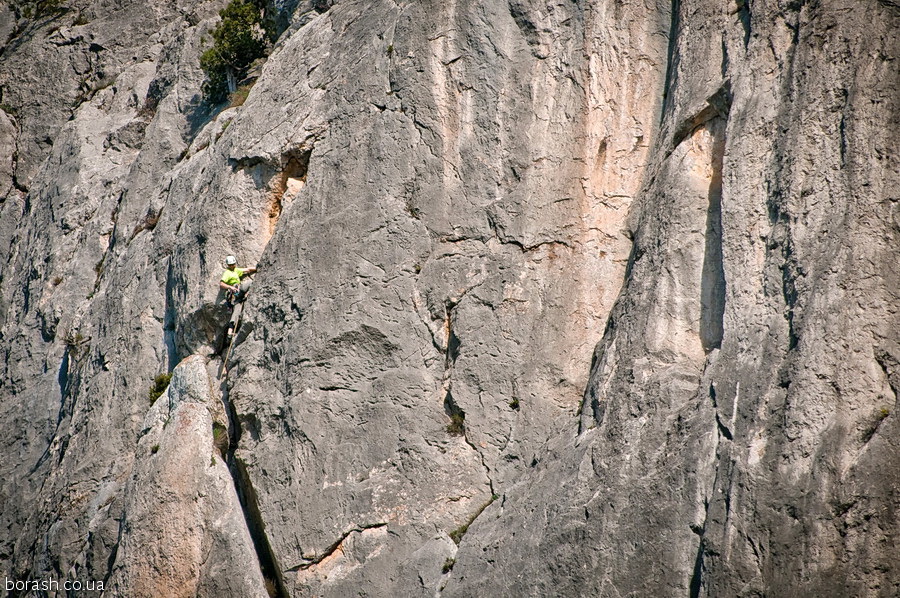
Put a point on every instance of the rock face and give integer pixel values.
(183, 528)
(451, 205)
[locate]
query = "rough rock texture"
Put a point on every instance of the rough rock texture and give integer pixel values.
(183, 529)
(81, 292)
(436, 194)
(737, 436)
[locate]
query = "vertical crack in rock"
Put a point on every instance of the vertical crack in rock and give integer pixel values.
(456, 413)
(170, 316)
(697, 576)
(249, 502)
(671, 57)
(743, 10)
(780, 222)
(255, 524)
(712, 285)
(723, 429)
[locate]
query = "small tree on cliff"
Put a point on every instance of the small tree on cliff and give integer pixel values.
(240, 38)
(36, 9)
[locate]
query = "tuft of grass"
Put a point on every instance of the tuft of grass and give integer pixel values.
(514, 404)
(412, 209)
(448, 565)
(220, 438)
(457, 425)
(154, 449)
(457, 534)
(238, 98)
(149, 222)
(159, 386)
(57, 280)
(77, 344)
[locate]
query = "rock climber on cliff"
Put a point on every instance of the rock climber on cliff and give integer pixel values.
(233, 283)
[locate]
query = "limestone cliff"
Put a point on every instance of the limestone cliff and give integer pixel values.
(591, 298)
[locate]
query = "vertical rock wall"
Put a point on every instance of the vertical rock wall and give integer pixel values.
(445, 200)
(746, 385)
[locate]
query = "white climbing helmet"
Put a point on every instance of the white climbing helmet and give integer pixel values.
(230, 261)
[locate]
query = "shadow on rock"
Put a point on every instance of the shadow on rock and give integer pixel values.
(203, 331)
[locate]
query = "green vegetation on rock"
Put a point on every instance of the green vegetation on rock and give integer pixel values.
(36, 9)
(159, 386)
(241, 37)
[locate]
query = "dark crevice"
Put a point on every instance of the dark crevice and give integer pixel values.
(789, 290)
(744, 16)
(723, 429)
(322, 6)
(783, 243)
(526, 26)
(453, 345)
(843, 130)
(250, 506)
(725, 60)
(335, 545)
(63, 376)
(718, 105)
(114, 552)
(255, 525)
(697, 576)
(671, 56)
(457, 425)
(64, 379)
(591, 399)
(712, 282)
(169, 318)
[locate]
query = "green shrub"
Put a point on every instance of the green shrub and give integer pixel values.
(159, 386)
(77, 343)
(220, 438)
(457, 425)
(239, 39)
(457, 534)
(448, 565)
(36, 9)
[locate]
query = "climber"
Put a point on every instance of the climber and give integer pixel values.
(233, 282)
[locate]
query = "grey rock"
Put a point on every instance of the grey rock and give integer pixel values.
(183, 531)
(730, 414)
(451, 204)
